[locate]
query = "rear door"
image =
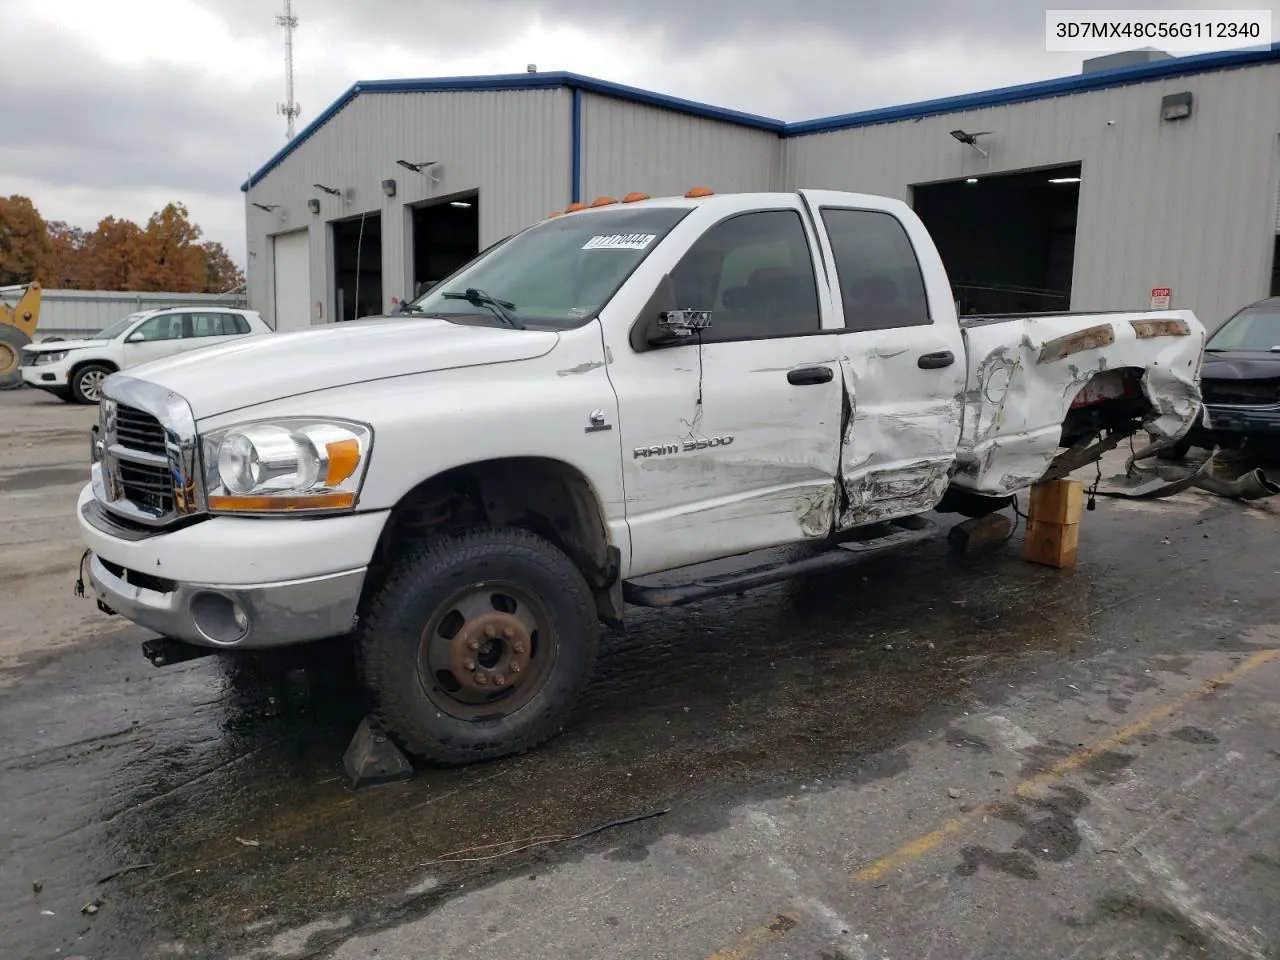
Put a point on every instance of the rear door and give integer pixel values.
(902, 356)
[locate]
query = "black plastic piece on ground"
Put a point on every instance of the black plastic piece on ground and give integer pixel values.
(372, 759)
(841, 555)
(163, 652)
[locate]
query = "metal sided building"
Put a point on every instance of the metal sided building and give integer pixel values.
(1089, 192)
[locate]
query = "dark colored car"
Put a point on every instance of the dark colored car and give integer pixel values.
(1240, 383)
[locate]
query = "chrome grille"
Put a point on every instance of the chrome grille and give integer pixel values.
(1241, 393)
(147, 486)
(148, 468)
(139, 430)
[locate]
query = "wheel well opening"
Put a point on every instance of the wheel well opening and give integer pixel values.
(544, 496)
(1110, 400)
(76, 368)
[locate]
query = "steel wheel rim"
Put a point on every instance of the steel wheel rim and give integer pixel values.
(91, 384)
(495, 630)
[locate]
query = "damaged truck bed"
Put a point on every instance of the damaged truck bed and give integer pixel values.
(620, 391)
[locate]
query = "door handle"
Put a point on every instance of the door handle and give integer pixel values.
(936, 361)
(806, 376)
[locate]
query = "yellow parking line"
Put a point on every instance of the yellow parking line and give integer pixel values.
(917, 848)
(755, 940)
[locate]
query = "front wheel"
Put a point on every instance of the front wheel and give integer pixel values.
(86, 382)
(478, 645)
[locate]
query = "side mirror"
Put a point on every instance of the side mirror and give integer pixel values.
(134, 337)
(661, 323)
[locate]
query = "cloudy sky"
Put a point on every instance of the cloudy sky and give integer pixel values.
(115, 108)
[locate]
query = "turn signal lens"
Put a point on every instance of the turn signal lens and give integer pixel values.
(319, 501)
(344, 457)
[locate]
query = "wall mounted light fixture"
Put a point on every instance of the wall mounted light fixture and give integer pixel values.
(313, 205)
(1176, 106)
(389, 187)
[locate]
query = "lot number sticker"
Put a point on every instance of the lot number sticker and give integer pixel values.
(620, 241)
(1161, 297)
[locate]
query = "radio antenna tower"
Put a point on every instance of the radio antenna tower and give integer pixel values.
(289, 108)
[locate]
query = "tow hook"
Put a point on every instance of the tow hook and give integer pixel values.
(164, 652)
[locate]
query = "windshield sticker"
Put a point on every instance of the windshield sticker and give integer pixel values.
(620, 241)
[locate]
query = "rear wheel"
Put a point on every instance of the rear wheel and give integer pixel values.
(12, 340)
(86, 382)
(478, 645)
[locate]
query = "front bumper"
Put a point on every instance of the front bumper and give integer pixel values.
(46, 375)
(1230, 425)
(232, 582)
(215, 615)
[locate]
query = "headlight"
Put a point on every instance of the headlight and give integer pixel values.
(53, 357)
(294, 464)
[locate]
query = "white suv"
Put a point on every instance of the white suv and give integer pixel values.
(74, 369)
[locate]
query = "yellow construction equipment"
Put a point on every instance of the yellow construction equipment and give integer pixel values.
(17, 329)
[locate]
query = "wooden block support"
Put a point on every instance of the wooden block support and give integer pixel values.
(978, 532)
(1053, 523)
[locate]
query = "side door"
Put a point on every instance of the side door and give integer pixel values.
(902, 357)
(730, 437)
(157, 337)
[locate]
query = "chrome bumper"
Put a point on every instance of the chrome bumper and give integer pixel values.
(240, 617)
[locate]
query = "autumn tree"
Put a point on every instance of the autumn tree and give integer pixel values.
(112, 254)
(25, 248)
(169, 255)
(69, 266)
(220, 272)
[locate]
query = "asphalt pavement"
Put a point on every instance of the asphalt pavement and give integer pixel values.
(927, 756)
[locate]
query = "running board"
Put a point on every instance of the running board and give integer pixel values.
(845, 554)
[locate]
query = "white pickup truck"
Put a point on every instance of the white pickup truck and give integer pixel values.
(468, 490)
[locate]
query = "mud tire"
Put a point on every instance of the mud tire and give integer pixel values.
(11, 356)
(391, 636)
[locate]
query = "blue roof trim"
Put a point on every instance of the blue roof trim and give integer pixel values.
(1040, 90)
(1122, 76)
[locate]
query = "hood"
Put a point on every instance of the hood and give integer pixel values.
(64, 345)
(1240, 365)
(257, 370)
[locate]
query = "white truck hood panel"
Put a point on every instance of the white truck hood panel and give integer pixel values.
(257, 370)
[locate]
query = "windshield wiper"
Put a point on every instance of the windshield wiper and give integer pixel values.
(501, 308)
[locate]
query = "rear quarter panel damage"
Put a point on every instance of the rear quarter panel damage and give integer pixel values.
(1023, 375)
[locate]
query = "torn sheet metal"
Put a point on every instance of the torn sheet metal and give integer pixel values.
(1025, 373)
(902, 423)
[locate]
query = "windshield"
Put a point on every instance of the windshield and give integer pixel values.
(1253, 328)
(117, 328)
(558, 274)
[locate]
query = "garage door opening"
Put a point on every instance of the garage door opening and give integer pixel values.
(292, 266)
(357, 267)
(1007, 240)
(445, 236)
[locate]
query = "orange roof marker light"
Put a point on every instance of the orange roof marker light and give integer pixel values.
(575, 207)
(635, 197)
(603, 201)
(699, 192)
(555, 213)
